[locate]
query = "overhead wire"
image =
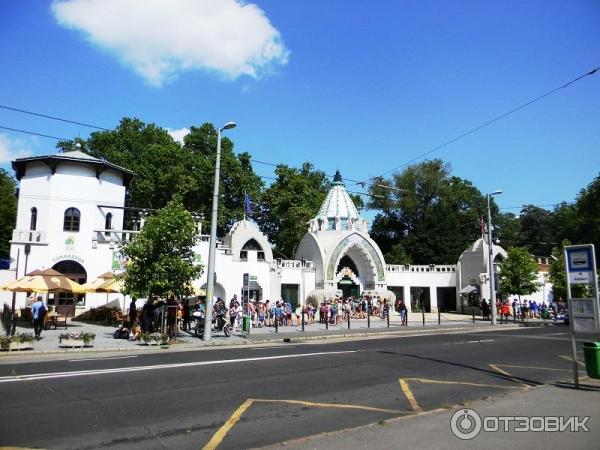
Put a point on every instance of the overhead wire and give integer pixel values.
(489, 122)
(32, 113)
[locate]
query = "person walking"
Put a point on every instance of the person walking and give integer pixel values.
(39, 313)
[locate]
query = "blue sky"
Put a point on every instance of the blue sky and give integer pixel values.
(363, 87)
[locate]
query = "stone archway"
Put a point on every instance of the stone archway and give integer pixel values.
(364, 257)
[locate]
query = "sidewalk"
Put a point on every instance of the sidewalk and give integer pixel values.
(431, 429)
(104, 340)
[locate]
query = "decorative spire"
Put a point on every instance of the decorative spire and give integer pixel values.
(337, 178)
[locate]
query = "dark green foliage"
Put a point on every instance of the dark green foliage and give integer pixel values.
(289, 203)
(8, 211)
(430, 216)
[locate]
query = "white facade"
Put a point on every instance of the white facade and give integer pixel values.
(336, 255)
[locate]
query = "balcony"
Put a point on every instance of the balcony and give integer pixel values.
(112, 237)
(29, 237)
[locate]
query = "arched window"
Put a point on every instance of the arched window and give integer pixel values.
(252, 244)
(33, 222)
(108, 222)
(72, 218)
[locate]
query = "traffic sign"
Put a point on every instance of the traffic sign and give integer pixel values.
(580, 264)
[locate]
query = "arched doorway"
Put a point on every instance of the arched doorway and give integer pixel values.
(219, 291)
(348, 273)
(65, 302)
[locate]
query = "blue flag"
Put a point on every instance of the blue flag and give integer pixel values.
(247, 204)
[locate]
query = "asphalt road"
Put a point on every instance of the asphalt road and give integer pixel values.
(251, 397)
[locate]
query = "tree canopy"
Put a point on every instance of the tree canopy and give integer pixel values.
(161, 258)
(428, 215)
(8, 211)
(164, 168)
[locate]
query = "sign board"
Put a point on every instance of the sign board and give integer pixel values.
(580, 264)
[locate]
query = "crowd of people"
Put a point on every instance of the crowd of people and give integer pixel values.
(176, 316)
(520, 310)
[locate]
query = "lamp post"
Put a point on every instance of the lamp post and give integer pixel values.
(210, 283)
(491, 259)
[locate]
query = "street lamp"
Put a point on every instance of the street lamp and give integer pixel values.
(491, 259)
(210, 283)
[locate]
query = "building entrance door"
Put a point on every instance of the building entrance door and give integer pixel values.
(64, 302)
(348, 287)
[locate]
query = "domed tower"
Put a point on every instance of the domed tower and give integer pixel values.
(338, 242)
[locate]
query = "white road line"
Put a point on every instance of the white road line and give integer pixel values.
(80, 373)
(273, 346)
(480, 340)
(102, 358)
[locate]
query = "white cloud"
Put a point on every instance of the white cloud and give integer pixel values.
(159, 39)
(179, 134)
(11, 149)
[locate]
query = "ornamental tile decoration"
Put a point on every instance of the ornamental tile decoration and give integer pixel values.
(364, 244)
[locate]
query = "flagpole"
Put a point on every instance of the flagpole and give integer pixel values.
(245, 197)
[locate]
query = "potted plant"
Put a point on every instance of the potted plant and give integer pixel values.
(21, 341)
(76, 339)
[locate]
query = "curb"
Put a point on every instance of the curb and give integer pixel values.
(284, 339)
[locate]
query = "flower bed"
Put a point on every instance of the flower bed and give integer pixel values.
(154, 338)
(21, 341)
(80, 339)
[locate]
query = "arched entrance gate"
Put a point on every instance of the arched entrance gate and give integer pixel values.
(65, 302)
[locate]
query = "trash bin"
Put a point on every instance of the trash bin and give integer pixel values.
(246, 324)
(591, 354)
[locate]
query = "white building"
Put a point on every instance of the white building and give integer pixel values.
(70, 218)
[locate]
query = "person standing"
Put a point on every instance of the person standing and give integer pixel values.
(485, 310)
(39, 313)
(403, 313)
(132, 313)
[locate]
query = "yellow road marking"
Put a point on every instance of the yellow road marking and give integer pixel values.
(504, 372)
(533, 367)
(465, 383)
(568, 358)
(409, 395)
(236, 416)
(221, 432)
(332, 405)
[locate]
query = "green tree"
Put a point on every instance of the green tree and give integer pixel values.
(163, 168)
(237, 177)
(587, 216)
(509, 229)
(161, 259)
(289, 203)
(536, 230)
(8, 211)
(432, 214)
(518, 273)
(558, 275)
